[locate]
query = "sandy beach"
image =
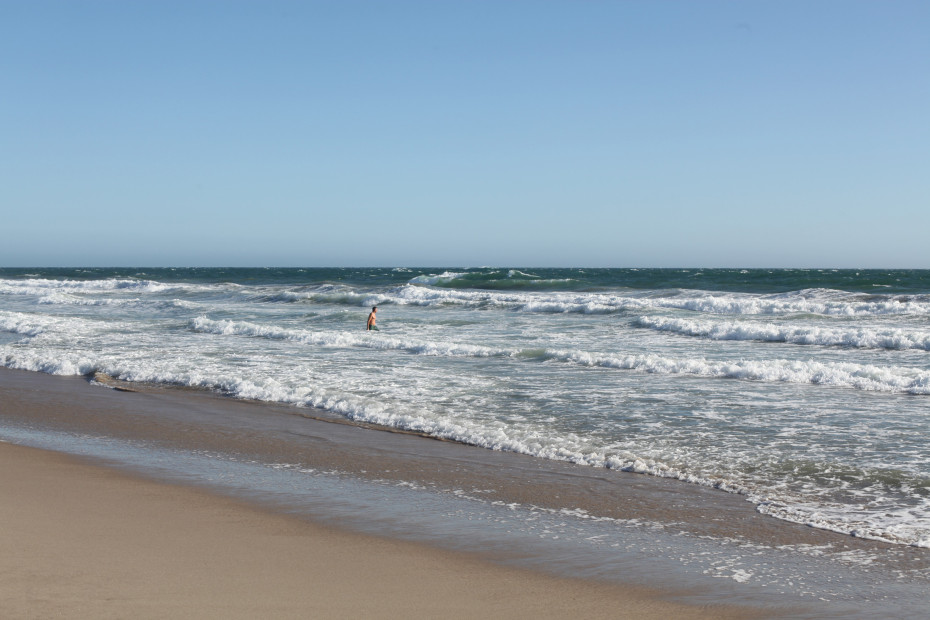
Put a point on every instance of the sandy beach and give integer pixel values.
(84, 541)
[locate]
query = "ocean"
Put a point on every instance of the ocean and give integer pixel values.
(805, 392)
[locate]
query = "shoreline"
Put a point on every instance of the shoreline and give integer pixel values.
(192, 419)
(88, 542)
(682, 515)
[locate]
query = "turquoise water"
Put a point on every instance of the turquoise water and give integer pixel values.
(804, 390)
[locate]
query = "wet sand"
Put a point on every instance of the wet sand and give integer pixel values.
(199, 420)
(82, 540)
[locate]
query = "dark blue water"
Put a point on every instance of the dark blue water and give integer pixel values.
(883, 281)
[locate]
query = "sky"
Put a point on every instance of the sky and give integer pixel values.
(465, 133)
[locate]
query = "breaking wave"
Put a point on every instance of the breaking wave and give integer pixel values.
(827, 303)
(891, 338)
(849, 375)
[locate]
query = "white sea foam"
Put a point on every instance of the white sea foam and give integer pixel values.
(19, 323)
(859, 376)
(65, 299)
(52, 326)
(364, 339)
(52, 365)
(38, 286)
(862, 337)
(530, 302)
(57, 298)
(887, 525)
(849, 375)
(432, 280)
(818, 302)
(325, 295)
(811, 301)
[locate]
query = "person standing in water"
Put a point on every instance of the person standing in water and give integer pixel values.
(372, 318)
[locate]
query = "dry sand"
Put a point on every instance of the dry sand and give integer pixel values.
(79, 540)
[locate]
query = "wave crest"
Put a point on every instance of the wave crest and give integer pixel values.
(898, 339)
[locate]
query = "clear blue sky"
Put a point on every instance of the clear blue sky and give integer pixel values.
(574, 133)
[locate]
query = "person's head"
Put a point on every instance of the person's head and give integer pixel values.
(374, 308)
